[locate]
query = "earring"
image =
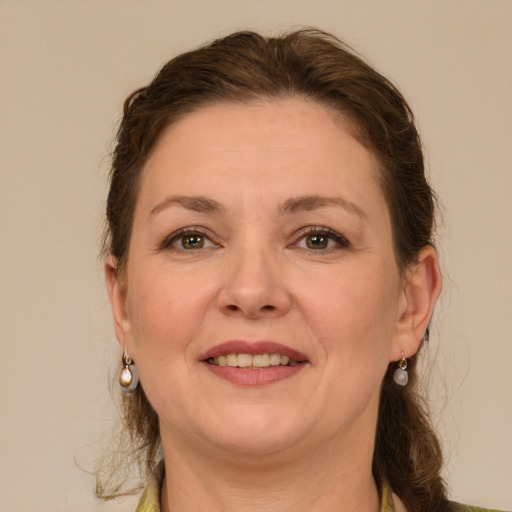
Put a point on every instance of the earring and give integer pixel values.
(401, 376)
(128, 378)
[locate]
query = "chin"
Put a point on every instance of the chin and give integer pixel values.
(255, 433)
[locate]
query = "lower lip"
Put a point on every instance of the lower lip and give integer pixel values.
(250, 377)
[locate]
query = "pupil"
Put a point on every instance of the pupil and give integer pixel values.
(193, 242)
(317, 242)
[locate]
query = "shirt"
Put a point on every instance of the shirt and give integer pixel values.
(150, 499)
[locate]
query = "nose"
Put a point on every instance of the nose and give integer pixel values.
(254, 286)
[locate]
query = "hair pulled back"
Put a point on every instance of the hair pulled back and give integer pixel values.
(244, 67)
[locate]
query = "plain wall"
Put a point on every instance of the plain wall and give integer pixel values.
(66, 67)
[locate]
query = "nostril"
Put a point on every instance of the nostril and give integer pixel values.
(268, 308)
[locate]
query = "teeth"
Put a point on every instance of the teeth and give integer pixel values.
(232, 360)
(261, 360)
(275, 359)
(244, 360)
(253, 361)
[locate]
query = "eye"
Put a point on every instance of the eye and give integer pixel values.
(187, 239)
(317, 241)
(194, 241)
(321, 239)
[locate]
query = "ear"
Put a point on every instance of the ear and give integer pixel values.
(116, 287)
(421, 288)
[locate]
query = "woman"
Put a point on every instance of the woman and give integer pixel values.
(272, 276)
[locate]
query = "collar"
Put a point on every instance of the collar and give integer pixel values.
(150, 499)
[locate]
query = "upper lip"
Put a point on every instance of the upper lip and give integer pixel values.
(252, 348)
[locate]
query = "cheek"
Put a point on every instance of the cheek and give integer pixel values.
(163, 315)
(353, 313)
(163, 321)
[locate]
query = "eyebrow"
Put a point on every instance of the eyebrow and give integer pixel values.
(294, 205)
(195, 203)
(309, 203)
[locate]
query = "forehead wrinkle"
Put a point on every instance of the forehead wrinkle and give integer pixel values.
(195, 203)
(314, 202)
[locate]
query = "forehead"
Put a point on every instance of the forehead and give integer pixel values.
(280, 148)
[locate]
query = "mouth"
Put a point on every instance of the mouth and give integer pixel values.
(253, 363)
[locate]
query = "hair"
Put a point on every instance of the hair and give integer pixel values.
(314, 65)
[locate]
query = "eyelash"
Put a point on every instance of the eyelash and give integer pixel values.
(181, 234)
(338, 238)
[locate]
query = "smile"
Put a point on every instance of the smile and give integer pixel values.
(255, 361)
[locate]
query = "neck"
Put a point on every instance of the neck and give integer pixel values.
(317, 481)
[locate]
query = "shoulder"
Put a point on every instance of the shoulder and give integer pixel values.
(459, 507)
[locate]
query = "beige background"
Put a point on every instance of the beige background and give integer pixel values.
(66, 66)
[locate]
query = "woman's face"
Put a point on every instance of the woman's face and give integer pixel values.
(261, 234)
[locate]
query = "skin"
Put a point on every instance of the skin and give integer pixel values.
(304, 442)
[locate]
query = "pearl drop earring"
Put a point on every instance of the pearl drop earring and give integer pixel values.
(128, 378)
(401, 377)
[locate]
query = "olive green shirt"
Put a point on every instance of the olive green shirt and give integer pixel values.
(150, 499)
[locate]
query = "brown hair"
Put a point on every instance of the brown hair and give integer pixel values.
(314, 65)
